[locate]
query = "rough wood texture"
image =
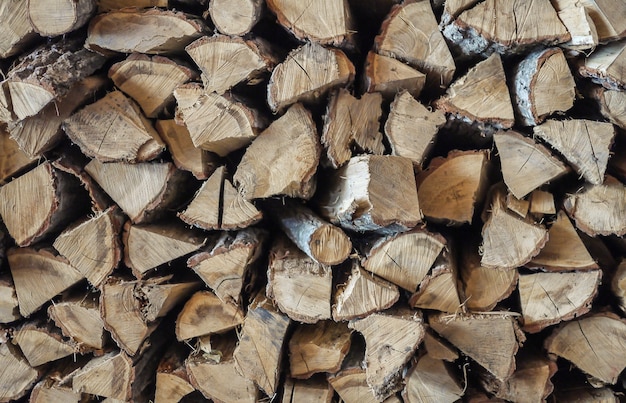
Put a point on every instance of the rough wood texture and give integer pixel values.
(605, 66)
(41, 344)
(9, 309)
(236, 17)
(438, 291)
(351, 386)
(17, 33)
(439, 349)
(79, 318)
(18, 377)
(612, 104)
(577, 18)
(172, 381)
(12, 159)
(204, 314)
(430, 380)
(541, 203)
(389, 76)
(58, 17)
(312, 390)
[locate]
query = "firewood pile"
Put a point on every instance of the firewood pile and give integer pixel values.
(312, 201)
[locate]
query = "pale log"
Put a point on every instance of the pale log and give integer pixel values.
(594, 344)
(147, 246)
(184, 154)
(430, 380)
(310, 390)
(451, 188)
(612, 103)
(13, 160)
(605, 66)
(300, 286)
(609, 19)
(584, 143)
(17, 376)
(525, 164)
(237, 212)
(39, 276)
(92, 246)
(74, 165)
(204, 314)
(294, 133)
(150, 81)
(151, 31)
(542, 202)
(360, 129)
(618, 285)
(387, 353)
(17, 32)
(363, 294)
(258, 355)
(439, 349)
(79, 318)
(172, 381)
(318, 348)
(60, 16)
(351, 386)
(327, 22)
(235, 17)
(307, 74)
(438, 290)
(521, 207)
(54, 388)
(389, 76)
(41, 344)
(9, 306)
(411, 128)
(542, 85)
(577, 18)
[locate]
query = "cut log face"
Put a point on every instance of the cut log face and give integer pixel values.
(39, 276)
(577, 18)
(150, 81)
(184, 154)
(605, 66)
(526, 165)
(60, 17)
(411, 128)
(41, 344)
(594, 344)
(18, 32)
(437, 349)
(327, 22)
(307, 74)
(172, 382)
(235, 17)
(612, 104)
(481, 96)
(599, 210)
(372, 193)
(475, 30)
(452, 187)
(204, 314)
(300, 286)
(312, 390)
(151, 31)
(9, 306)
(542, 203)
(12, 158)
(438, 291)
(351, 386)
(80, 320)
(318, 348)
(410, 34)
(588, 154)
(389, 76)
(608, 19)
(549, 298)
(431, 381)
(385, 353)
(294, 133)
(543, 84)
(17, 376)
(237, 212)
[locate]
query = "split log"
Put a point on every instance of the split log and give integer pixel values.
(386, 354)
(294, 133)
(42, 132)
(17, 376)
(438, 349)
(363, 294)
(410, 33)
(550, 298)
(577, 18)
(351, 386)
(438, 290)
(184, 154)
(143, 191)
(299, 286)
(326, 22)
(612, 104)
(236, 212)
(151, 31)
(235, 18)
(588, 154)
(74, 165)
(542, 203)
(41, 344)
(47, 73)
(618, 285)
(481, 96)
(526, 164)
(307, 74)
(468, 332)
(564, 249)
(147, 246)
(608, 19)
(605, 66)
(451, 188)
(542, 84)
(150, 81)
(521, 207)
(17, 33)
(92, 246)
(372, 193)
(79, 318)
(227, 61)
(258, 355)
(172, 381)
(54, 388)
(205, 314)
(430, 380)
(411, 128)
(227, 265)
(360, 130)
(216, 123)
(594, 344)
(318, 348)
(39, 276)
(61, 18)
(9, 306)
(476, 32)
(13, 161)
(599, 209)
(311, 390)
(389, 76)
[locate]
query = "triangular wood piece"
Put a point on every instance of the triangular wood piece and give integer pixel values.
(236, 212)
(438, 349)
(79, 319)
(526, 165)
(481, 96)
(147, 246)
(564, 249)
(93, 246)
(389, 76)
(307, 74)
(41, 344)
(606, 66)
(430, 380)
(584, 143)
(577, 18)
(612, 104)
(204, 210)
(172, 381)
(12, 159)
(542, 202)
(468, 332)
(438, 291)
(351, 386)
(204, 314)
(18, 32)
(39, 276)
(363, 294)
(549, 298)
(17, 376)
(386, 356)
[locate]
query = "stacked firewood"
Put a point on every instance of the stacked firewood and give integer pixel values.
(321, 200)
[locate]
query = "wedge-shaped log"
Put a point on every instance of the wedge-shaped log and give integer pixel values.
(578, 19)
(17, 376)
(605, 66)
(172, 381)
(13, 159)
(204, 314)
(184, 154)
(9, 306)
(430, 380)
(612, 104)
(79, 318)
(235, 17)
(351, 385)
(41, 344)
(389, 76)
(438, 290)
(17, 33)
